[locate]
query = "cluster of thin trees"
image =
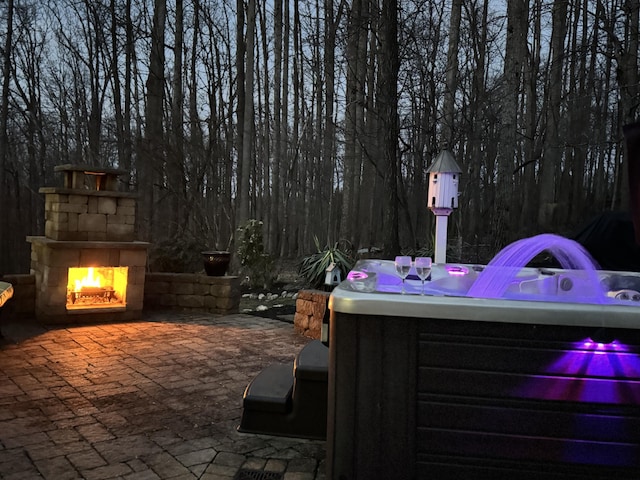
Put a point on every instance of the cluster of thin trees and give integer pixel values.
(320, 117)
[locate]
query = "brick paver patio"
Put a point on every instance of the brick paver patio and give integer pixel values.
(155, 399)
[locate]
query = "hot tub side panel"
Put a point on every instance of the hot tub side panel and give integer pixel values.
(451, 399)
(499, 400)
(372, 398)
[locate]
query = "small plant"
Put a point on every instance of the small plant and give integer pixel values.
(256, 264)
(313, 267)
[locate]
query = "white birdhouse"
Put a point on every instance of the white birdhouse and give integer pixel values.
(333, 275)
(444, 174)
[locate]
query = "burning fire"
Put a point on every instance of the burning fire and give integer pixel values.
(88, 281)
(90, 287)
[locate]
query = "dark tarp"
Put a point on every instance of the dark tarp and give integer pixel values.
(610, 240)
(632, 142)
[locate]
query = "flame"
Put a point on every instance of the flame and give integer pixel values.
(96, 287)
(89, 280)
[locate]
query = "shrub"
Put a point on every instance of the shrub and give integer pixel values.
(313, 267)
(178, 255)
(255, 263)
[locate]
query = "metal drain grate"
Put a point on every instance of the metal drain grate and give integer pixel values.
(244, 474)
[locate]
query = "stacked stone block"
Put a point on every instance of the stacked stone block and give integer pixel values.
(91, 216)
(24, 290)
(311, 306)
(192, 292)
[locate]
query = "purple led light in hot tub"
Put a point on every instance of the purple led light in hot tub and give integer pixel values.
(457, 270)
(506, 277)
(501, 272)
(568, 377)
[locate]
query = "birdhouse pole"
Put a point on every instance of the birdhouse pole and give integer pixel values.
(444, 175)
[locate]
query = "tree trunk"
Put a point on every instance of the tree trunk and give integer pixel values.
(328, 149)
(289, 154)
(127, 120)
(175, 161)
(4, 138)
(241, 48)
(552, 154)
(364, 60)
(278, 156)
(196, 145)
(531, 121)
(452, 72)
(580, 121)
(152, 155)
(117, 86)
(516, 48)
(97, 83)
(628, 80)
(471, 181)
(247, 127)
(355, 30)
(388, 107)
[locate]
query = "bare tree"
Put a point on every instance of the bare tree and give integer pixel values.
(4, 138)
(122, 124)
(279, 152)
(628, 77)
(356, 52)
(175, 160)
(331, 22)
(244, 170)
(475, 134)
(152, 154)
(552, 152)
(289, 164)
(452, 71)
(532, 144)
(516, 48)
(388, 108)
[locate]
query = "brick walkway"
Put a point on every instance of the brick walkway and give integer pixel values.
(159, 398)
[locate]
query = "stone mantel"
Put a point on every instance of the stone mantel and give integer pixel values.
(91, 193)
(66, 244)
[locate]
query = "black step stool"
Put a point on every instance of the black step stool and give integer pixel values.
(290, 399)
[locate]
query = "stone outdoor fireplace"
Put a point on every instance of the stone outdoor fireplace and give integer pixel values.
(88, 263)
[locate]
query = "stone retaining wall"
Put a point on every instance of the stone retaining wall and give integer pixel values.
(162, 291)
(192, 292)
(310, 309)
(22, 304)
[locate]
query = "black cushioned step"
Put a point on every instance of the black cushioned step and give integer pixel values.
(312, 362)
(271, 390)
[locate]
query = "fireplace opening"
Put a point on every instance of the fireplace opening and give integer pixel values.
(96, 287)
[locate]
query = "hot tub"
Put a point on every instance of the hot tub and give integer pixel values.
(541, 381)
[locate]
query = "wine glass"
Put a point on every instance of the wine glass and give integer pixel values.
(423, 269)
(403, 265)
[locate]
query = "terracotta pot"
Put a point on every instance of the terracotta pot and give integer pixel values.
(216, 263)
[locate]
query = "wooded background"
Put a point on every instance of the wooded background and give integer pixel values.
(320, 117)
